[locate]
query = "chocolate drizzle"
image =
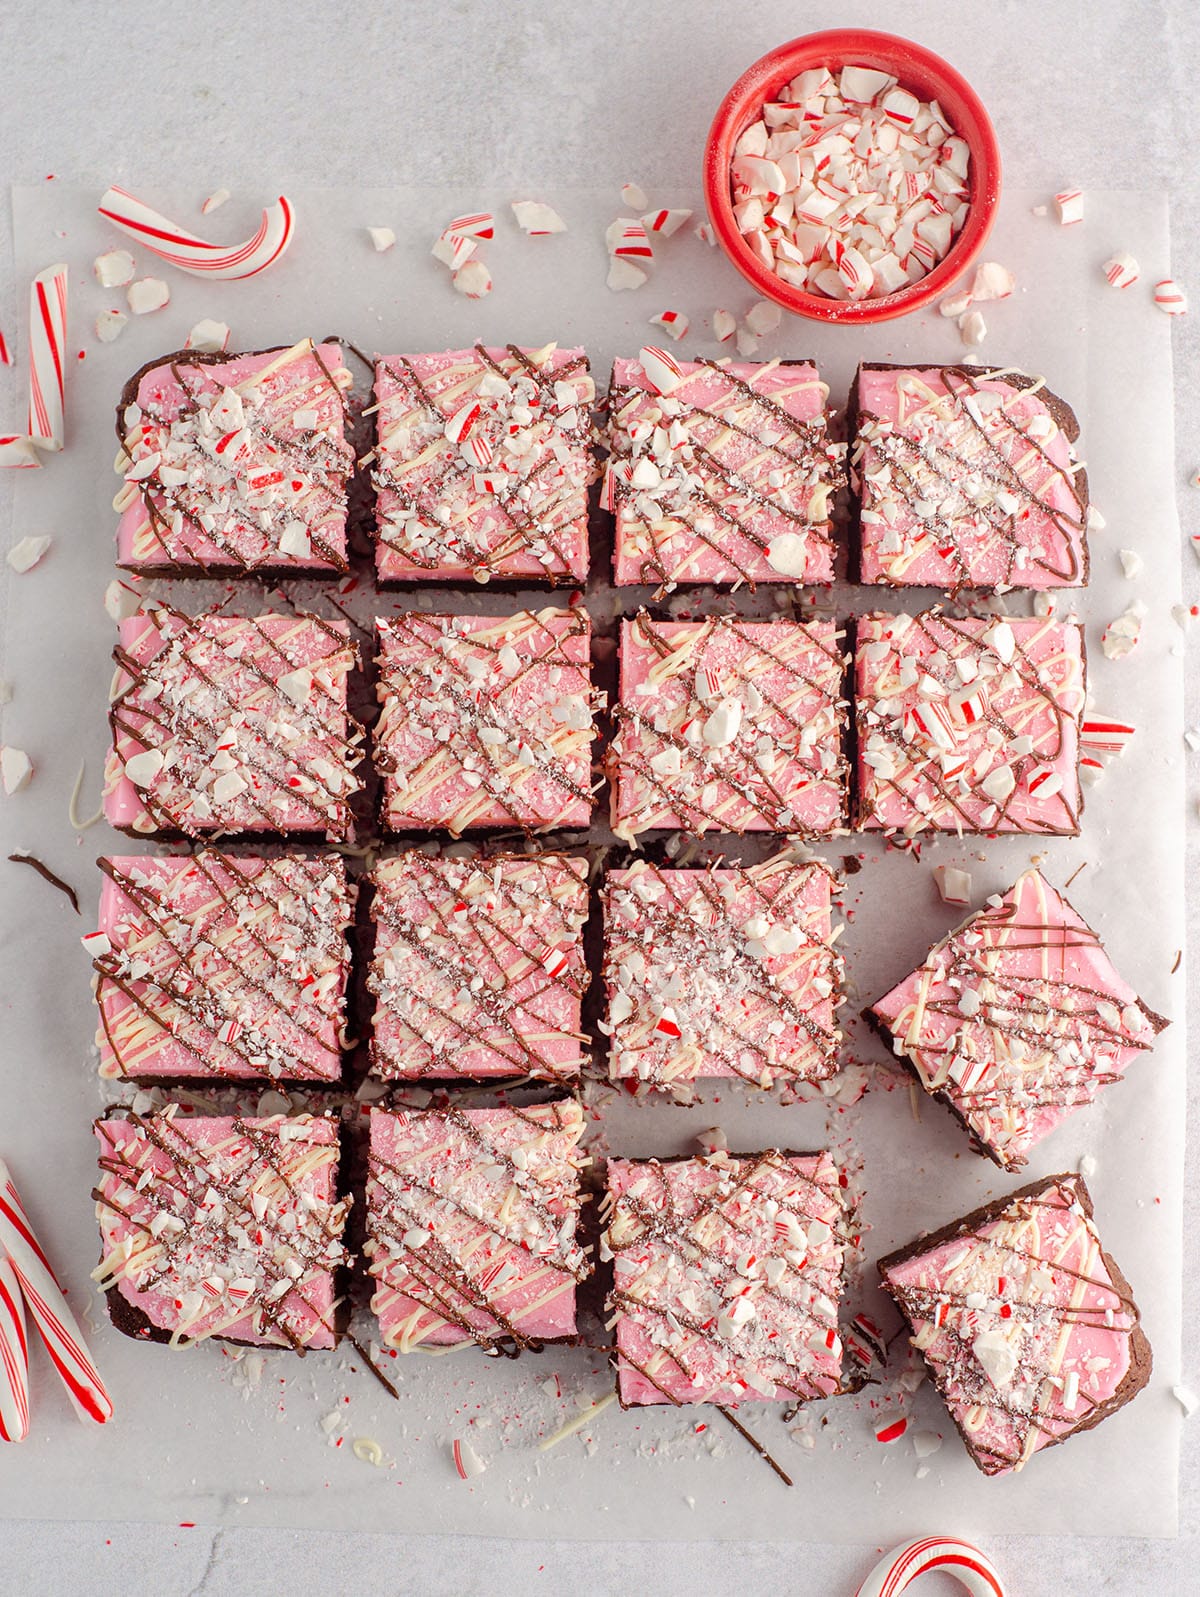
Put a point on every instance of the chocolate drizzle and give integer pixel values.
(728, 972)
(478, 967)
(509, 497)
(471, 1224)
(223, 967)
(777, 766)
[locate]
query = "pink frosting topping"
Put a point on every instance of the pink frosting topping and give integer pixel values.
(483, 463)
(224, 724)
(237, 463)
(478, 967)
(727, 1277)
(215, 966)
(223, 1227)
(1018, 1018)
(1021, 1323)
(486, 720)
(471, 1220)
(727, 478)
(728, 972)
(969, 725)
(969, 480)
(728, 725)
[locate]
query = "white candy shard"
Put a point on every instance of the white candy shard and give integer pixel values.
(788, 553)
(953, 884)
(1120, 637)
(147, 294)
(624, 275)
(114, 268)
(23, 556)
(120, 600)
(1069, 205)
(537, 219)
(382, 238)
(1121, 270)
(724, 325)
(997, 1356)
(142, 769)
(763, 317)
(992, 281)
(956, 305)
(211, 338)
(633, 196)
(15, 769)
(474, 280)
(972, 328)
(110, 325)
(1131, 563)
(675, 323)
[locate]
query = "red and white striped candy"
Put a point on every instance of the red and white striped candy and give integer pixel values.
(48, 1308)
(555, 960)
(14, 1357)
(896, 1570)
(665, 222)
(482, 224)
(5, 353)
(1169, 297)
(667, 1025)
(662, 370)
(1102, 733)
(17, 451)
(196, 256)
(968, 1073)
(47, 356)
(467, 1461)
(1121, 270)
(724, 325)
(674, 323)
(626, 240)
(1047, 783)
(891, 1430)
(1069, 205)
(463, 419)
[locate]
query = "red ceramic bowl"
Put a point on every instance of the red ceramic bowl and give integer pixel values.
(918, 69)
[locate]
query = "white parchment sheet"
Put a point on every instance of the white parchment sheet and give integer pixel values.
(204, 1437)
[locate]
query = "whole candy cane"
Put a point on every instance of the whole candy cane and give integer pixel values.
(897, 1569)
(14, 1358)
(47, 356)
(166, 239)
(48, 1308)
(17, 450)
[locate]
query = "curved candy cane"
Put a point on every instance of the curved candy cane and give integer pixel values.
(897, 1569)
(175, 244)
(14, 1358)
(48, 1308)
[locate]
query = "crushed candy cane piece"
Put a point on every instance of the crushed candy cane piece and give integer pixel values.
(1121, 270)
(956, 305)
(214, 201)
(110, 325)
(953, 884)
(1169, 297)
(747, 343)
(1132, 563)
(925, 1443)
(537, 219)
(763, 317)
(1069, 205)
(724, 325)
(992, 281)
(18, 452)
(23, 556)
(626, 239)
(624, 275)
(209, 337)
(453, 249)
(382, 238)
(972, 328)
(474, 280)
(476, 224)
(466, 1460)
(1104, 734)
(147, 294)
(675, 323)
(662, 370)
(891, 1430)
(5, 353)
(1187, 1400)
(634, 196)
(114, 268)
(665, 222)
(704, 232)
(1120, 637)
(120, 600)
(15, 769)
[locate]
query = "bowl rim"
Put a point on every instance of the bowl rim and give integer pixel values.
(847, 46)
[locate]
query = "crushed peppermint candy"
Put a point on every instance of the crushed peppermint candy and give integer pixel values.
(28, 551)
(1121, 637)
(537, 219)
(109, 325)
(953, 884)
(382, 238)
(1170, 298)
(1069, 205)
(1121, 270)
(147, 294)
(665, 223)
(473, 280)
(114, 269)
(673, 323)
(208, 337)
(848, 185)
(16, 768)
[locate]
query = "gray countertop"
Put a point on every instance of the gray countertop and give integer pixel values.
(250, 96)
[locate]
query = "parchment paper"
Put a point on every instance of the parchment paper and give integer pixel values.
(209, 1438)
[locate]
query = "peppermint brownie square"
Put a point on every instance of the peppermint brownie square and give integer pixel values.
(725, 972)
(471, 1221)
(1029, 1329)
(1017, 1019)
(727, 1275)
(486, 721)
(478, 967)
(730, 726)
(227, 724)
(482, 465)
(720, 472)
(967, 478)
(235, 463)
(969, 725)
(211, 967)
(227, 1227)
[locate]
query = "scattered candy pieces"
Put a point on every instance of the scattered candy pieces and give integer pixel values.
(1120, 637)
(763, 317)
(624, 275)
(476, 224)
(633, 196)
(110, 325)
(474, 280)
(214, 201)
(724, 325)
(1069, 205)
(896, 1570)
(1121, 270)
(992, 281)
(972, 328)
(1169, 297)
(537, 219)
(209, 337)
(147, 294)
(666, 223)
(23, 556)
(175, 244)
(382, 238)
(956, 305)
(467, 1461)
(15, 769)
(1131, 563)
(626, 239)
(675, 323)
(47, 357)
(114, 268)
(953, 884)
